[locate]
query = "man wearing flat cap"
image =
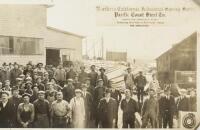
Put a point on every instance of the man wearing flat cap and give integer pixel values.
(42, 111)
(107, 109)
(82, 76)
(6, 111)
(103, 76)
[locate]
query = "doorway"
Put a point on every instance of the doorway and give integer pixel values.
(52, 57)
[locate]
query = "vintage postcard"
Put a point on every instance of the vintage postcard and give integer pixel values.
(100, 64)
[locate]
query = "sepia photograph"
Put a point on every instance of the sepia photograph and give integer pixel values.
(99, 64)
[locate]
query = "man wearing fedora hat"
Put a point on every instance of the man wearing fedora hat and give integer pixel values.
(6, 111)
(107, 109)
(103, 76)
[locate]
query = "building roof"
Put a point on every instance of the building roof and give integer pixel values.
(176, 46)
(65, 32)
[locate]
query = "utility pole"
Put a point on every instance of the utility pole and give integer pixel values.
(102, 46)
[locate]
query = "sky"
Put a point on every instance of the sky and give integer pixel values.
(79, 16)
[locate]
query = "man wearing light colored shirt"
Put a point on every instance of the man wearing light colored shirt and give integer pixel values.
(60, 112)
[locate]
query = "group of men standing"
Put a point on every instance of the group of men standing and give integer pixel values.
(64, 98)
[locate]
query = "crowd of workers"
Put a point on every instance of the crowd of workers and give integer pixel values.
(34, 96)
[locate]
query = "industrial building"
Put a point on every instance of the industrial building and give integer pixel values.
(179, 64)
(24, 36)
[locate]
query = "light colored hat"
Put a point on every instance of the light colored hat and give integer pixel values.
(70, 80)
(41, 92)
(78, 91)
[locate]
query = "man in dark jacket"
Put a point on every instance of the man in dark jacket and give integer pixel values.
(116, 94)
(68, 91)
(88, 101)
(98, 95)
(42, 111)
(183, 101)
(15, 100)
(82, 76)
(93, 75)
(71, 73)
(167, 108)
(140, 82)
(150, 110)
(6, 111)
(107, 110)
(15, 73)
(129, 107)
(103, 76)
(4, 73)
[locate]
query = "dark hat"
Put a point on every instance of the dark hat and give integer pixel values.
(92, 66)
(26, 94)
(128, 68)
(5, 92)
(15, 88)
(82, 67)
(108, 90)
(15, 63)
(102, 69)
(4, 64)
(39, 64)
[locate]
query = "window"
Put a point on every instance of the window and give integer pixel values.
(20, 46)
